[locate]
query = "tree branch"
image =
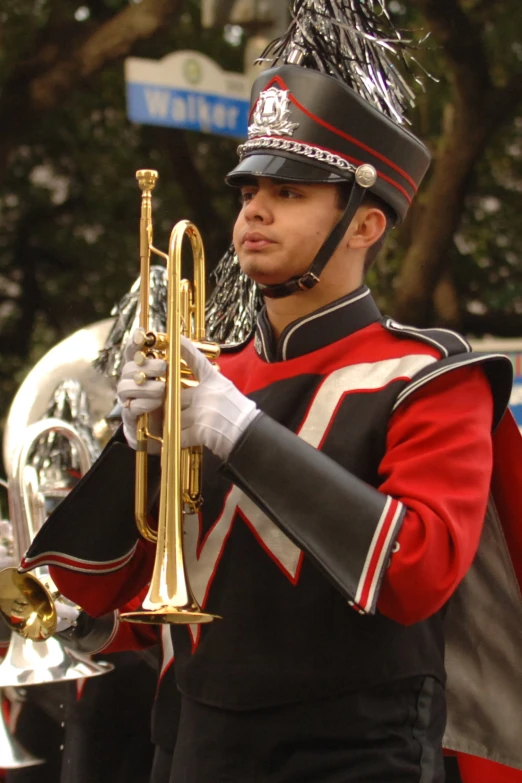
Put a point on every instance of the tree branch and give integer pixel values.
(462, 45)
(107, 43)
(477, 112)
(41, 82)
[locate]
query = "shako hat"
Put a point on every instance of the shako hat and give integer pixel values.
(332, 110)
(308, 126)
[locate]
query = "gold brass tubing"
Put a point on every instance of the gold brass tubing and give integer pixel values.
(194, 476)
(185, 309)
(187, 331)
(198, 334)
(147, 179)
(169, 599)
(198, 289)
(140, 486)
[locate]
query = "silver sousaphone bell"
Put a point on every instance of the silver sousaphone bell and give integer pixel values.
(27, 600)
(12, 754)
(34, 657)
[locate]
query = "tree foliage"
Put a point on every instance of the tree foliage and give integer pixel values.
(70, 206)
(69, 199)
(470, 121)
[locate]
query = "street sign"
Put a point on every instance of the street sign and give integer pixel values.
(187, 90)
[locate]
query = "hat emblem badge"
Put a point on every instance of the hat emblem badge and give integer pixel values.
(271, 115)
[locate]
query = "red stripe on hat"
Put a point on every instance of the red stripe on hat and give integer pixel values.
(338, 132)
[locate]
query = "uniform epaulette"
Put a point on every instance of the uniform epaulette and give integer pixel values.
(456, 352)
(449, 343)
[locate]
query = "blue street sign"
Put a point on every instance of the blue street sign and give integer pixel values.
(183, 109)
(187, 90)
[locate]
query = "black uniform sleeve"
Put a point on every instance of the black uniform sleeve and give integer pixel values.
(93, 528)
(313, 500)
(89, 635)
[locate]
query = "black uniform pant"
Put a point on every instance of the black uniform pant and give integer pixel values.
(386, 734)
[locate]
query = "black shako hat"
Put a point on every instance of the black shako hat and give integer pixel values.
(331, 110)
(308, 126)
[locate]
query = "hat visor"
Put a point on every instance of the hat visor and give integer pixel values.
(285, 167)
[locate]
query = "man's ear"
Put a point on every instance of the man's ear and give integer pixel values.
(368, 225)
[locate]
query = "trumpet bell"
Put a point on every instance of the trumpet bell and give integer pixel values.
(189, 615)
(27, 605)
(35, 663)
(12, 754)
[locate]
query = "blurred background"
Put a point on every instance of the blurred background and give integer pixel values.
(73, 132)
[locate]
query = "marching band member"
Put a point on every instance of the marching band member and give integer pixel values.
(348, 457)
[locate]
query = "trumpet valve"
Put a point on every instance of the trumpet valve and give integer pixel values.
(139, 338)
(139, 378)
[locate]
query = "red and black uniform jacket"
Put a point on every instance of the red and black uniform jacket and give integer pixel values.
(330, 556)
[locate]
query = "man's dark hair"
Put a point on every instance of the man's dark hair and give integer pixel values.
(370, 200)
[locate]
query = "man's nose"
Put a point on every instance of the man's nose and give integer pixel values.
(258, 207)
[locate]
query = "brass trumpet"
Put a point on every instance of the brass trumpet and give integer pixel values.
(170, 599)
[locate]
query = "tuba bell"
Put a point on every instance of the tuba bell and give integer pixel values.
(54, 424)
(170, 598)
(12, 753)
(27, 601)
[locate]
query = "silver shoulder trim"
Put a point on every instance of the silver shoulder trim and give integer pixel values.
(464, 362)
(423, 333)
(263, 352)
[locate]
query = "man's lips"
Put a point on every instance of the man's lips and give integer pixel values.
(252, 240)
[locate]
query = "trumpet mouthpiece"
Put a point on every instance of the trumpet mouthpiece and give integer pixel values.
(147, 178)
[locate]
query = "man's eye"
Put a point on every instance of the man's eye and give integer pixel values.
(289, 193)
(246, 196)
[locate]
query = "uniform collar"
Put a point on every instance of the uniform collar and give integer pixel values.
(312, 332)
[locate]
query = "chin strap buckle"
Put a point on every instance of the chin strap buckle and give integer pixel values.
(307, 281)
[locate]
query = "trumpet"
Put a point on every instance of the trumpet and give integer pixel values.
(170, 598)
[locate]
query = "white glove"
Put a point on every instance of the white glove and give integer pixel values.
(213, 414)
(67, 615)
(136, 399)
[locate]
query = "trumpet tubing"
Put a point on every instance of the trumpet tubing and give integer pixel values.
(170, 599)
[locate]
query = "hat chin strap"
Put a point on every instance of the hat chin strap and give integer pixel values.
(325, 252)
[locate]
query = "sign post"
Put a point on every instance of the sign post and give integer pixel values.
(187, 90)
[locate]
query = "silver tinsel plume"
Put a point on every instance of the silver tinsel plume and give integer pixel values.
(126, 321)
(232, 308)
(353, 40)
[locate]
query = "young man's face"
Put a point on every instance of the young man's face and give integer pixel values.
(281, 226)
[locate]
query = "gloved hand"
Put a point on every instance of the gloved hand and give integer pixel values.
(67, 614)
(136, 399)
(213, 414)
